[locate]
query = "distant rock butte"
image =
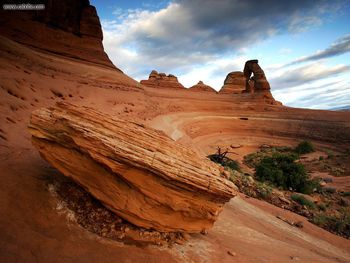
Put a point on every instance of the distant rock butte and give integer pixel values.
(234, 83)
(256, 86)
(162, 80)
(200, 86)
(258, 81)
(67, 27)
(137, 172)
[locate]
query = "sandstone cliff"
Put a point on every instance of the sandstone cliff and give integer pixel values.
(68, 28)
(161, 80)
(137, 172)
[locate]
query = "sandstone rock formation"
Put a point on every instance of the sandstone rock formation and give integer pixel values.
(234, 83)
(259, 79)
(200, 86)
(66, 27)
(162, 80)
(137, 172)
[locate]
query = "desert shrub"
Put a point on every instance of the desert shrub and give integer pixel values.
(232, 164)
(220, 158)
(253, 159)
(304, 147)
(336, 224)
(328, 190)
(320, 220)
(345, 194)
(322, 207)
(330, 154)
(321, 158)
(263, 190)
(303, 201)
(282, 171)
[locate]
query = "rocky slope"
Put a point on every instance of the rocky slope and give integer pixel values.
(161, 80)
(137, 172)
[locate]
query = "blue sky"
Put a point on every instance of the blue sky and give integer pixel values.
(303, 46)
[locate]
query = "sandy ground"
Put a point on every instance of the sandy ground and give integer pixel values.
(32, 229)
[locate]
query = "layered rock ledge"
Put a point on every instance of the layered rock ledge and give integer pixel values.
(137, 172)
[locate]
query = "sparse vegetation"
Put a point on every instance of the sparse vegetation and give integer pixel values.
(339, 224)
(303, 201)
(322, 207)
(282, 167)
(282, 171)
(221, 158)
(253, 159)
(263, 190)
(304, 147)
(330, 154)
(328, 190)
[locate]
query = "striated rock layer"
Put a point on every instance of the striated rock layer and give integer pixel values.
(137, 172)
(161, 80)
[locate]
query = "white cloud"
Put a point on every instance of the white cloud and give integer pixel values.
(285, 51)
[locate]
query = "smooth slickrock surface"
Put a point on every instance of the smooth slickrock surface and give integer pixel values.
(137, 172)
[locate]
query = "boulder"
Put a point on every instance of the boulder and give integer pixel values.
(161, 80)
(200, 86)
(137, 172)
(234, 83)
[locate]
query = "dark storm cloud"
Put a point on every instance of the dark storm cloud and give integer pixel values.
(227, 25)
(339, 47)
(216, 27)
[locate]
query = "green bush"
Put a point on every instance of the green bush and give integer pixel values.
(303, 201)
(263, 190)
(322, 207)
(282, 171)
(225, 161)
(320, 220)
(304, 147)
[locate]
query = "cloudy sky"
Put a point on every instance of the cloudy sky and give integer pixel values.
(302, 45)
